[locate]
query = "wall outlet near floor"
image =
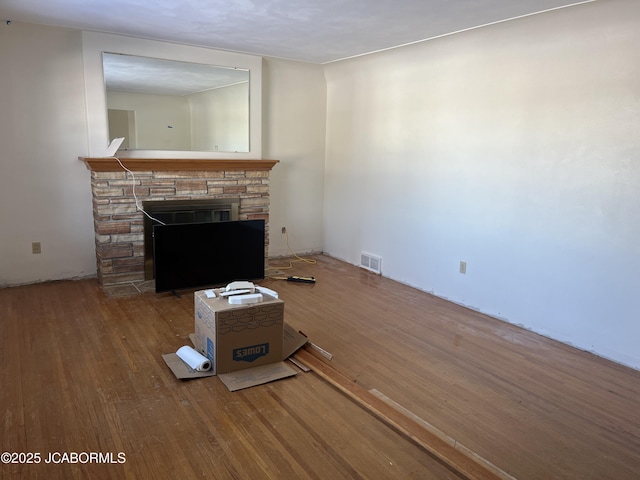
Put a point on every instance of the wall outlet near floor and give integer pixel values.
(284, 230)
(463, 267)
(36, 248)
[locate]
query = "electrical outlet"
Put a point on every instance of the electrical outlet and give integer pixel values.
(463, 267)
(36, 248)
(284, 230)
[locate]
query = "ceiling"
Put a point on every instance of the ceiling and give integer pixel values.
(133, 74)
(316, 31)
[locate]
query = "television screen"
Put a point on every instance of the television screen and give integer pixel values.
(194, 255)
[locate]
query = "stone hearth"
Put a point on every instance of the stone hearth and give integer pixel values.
(119, 225)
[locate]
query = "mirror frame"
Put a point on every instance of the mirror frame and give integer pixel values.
(94, 44)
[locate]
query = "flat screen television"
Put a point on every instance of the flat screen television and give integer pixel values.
(192, 255)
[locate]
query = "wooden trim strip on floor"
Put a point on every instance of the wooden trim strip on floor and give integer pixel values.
(463, 464)
(451, 441)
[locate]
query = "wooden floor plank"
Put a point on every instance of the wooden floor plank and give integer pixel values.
(530, 405)
(97, 383)
(82, 372)
(462, 463)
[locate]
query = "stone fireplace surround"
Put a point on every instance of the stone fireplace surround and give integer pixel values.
(119, 225)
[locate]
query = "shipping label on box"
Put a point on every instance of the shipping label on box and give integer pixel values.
(236, 337)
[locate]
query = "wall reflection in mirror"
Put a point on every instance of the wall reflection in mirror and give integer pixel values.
(159, 104)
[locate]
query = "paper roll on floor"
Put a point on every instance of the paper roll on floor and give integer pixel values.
(194, 359)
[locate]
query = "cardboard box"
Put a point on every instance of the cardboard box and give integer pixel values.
(209, 323)
(238, 337)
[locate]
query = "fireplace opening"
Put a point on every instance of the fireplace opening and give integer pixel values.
(183, 211)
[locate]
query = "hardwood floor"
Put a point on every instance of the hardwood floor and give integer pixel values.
(82, 372)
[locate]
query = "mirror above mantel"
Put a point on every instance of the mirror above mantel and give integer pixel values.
(220, 118)
(160, 104)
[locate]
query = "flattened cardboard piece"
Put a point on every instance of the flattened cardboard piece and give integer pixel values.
(293, 341)
(252, 377)
(181, 370)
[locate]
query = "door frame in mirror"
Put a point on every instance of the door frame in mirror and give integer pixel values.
(94, 44)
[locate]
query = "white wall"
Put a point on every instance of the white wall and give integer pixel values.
(161, 121)
(220, 119)
(515, 148)
(45, 193)
(294, 133)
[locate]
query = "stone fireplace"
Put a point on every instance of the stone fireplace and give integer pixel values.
(118, 197)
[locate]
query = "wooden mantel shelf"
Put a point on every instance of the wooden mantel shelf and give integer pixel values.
(110, 164)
